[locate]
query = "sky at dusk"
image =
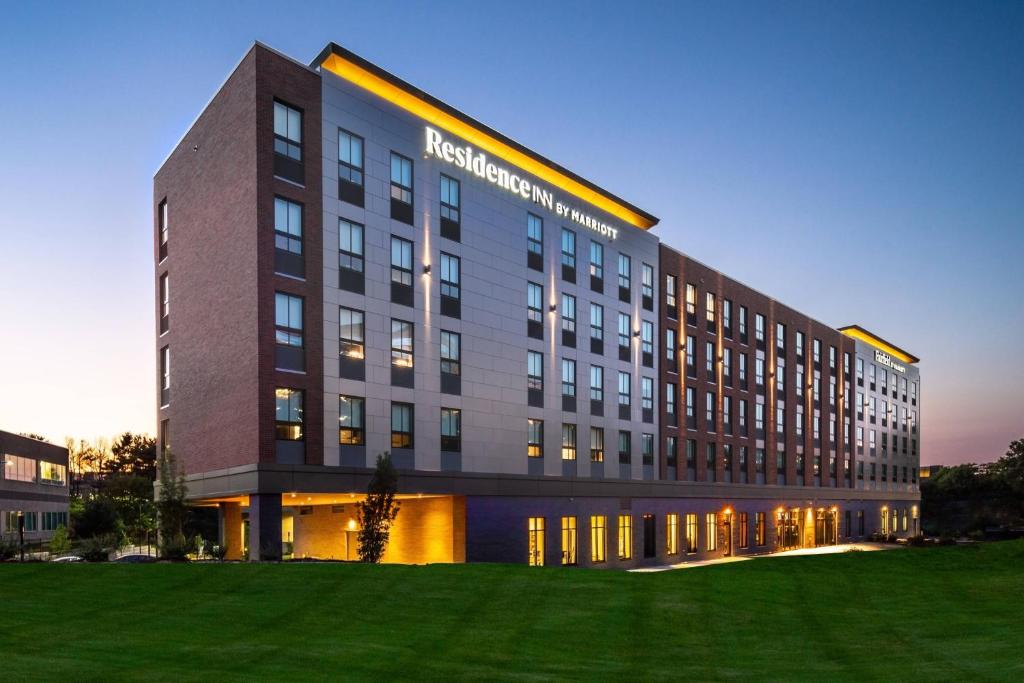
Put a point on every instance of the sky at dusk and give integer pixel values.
(860, 162)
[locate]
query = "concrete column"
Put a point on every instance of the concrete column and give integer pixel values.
(230, 521)
(265, 526)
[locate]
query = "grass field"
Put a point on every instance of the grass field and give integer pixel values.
(917, 614)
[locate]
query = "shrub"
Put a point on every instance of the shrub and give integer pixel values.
(98, 517)
(217, 551)
(59, 543)
(8, 548)
(176, 549)
(976, 535)
(98, 548)
(916, 541)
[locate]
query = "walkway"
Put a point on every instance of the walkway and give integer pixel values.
(823, 550)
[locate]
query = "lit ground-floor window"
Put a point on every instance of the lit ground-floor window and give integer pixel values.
(691, 532)
(672, 533)
(759, 528)
(625, 536)
(711, 531)
(568, 540)
(535, 531)
(598, 538)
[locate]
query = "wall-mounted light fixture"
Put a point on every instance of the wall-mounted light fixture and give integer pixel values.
(553, 308)
(426, 269)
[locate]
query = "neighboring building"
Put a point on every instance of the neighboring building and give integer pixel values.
(929, 471)
(33, 487)
(346, 266)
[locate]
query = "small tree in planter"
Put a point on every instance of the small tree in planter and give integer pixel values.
(378, 511)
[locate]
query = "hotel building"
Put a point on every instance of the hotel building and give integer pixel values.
(346, 265)
(33, 488)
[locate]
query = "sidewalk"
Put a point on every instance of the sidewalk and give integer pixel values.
(823, 550)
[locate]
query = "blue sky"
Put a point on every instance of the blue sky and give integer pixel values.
(861, 162)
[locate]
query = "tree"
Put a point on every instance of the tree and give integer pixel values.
(1009, 469)
(98, 517)
(171, 508)
(133, 454)
(378, 511)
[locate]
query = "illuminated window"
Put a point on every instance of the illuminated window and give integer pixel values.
(596, 444)
(401, 178)
(288, 319)
(351, 425)
(759, 528)
(401, 344)
(625, 536)
(711, 531)
(165, 376)
(287, 131)
(451, 353)
(744, 530)
(535, 438)
(568, 540)
(350, 246)
(759, 327)
(691, 532)
(535, 535)
(568, 441)
(350, 157)
(288, 414)
(351, 333)
(401, 425)
(691, 304)
(451, 430)
(709, 311)
(671, 533)
(670, 293)
(598, 538)
(17, 468)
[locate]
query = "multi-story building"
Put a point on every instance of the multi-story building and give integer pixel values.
(33, 487)
(346, 265)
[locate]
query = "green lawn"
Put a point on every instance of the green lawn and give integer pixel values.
(918, 614)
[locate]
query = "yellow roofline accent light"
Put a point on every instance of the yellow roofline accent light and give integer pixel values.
(360, 76)
(868, 338)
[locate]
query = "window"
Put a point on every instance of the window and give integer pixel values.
(625, 447)
(165, 301)
(647, 449)
(691, 355)
(832, 357)
(799, 344)
(288, 414)
(743, 324)
(53, 520)
(568, 540)
(287, 131)
(451, 353)
(647, 286)
(568, 441)
(596, 444)
(57, 475)
(670, 402)
(598, 538)
(647, 341)
(759, 528)
(744, 530)
(711, 531)
(350, 246)
(596, 383)
(759, 371)
(569, 314)
(535, 438)
(780, 336)
(596, 322)
(535, 543)
(691, 400)
(624, 272)
(401, 178)
(625, 536)
(535, 237)
(535, 370)
(401, 425)
(449, 199)
(780, 375)
(671, 533)
(817, 351)
(534, 303)
(450, 267)
(709, 412)
(759, 327)
(351, 421)
(351, 334)
(288, 319)
(670, 294)
(17, 468)
(596, 260)
(743, 370)
(872, 375)
(401, 344)
(691, 304)
(451, 430)
(165, 375)
(727, 317)
(401, 261)
(624, 329)
(670, 347)
(568, 248)
(709, 310)
(163, 226)
(709, 360)
(568, 377)
(287, 225)
(691, 532)
(759, 417)
(624, 389)
(350, 157)
(727, 365)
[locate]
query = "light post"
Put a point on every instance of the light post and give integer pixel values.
(21, 533)
(728, 532)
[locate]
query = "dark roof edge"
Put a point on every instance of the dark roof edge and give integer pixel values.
(334, 48)
(914, 359)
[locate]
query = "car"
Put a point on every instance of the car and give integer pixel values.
(135, 559)
(68, 558)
